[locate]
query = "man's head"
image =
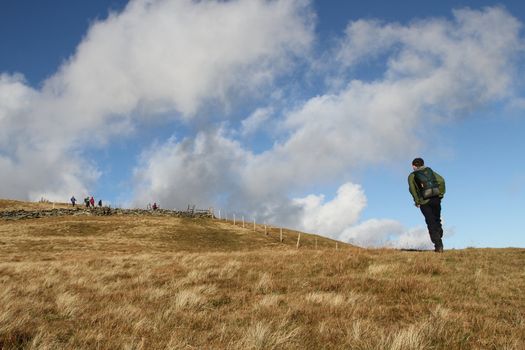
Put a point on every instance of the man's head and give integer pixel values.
(417, 163)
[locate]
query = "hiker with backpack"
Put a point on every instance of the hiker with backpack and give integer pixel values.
(427, 189)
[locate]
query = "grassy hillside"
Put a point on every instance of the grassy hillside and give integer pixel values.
(179, 283)
(9, 204)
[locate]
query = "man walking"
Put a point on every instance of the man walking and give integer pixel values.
(428, 188)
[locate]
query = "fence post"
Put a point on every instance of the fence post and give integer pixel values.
(219, 214)
(243, 221)
(281, 235)
(336, 246)
(234, 219)
(315, 243)
(298, 240)
(253, 225)
(265, 231)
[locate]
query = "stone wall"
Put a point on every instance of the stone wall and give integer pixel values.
(104, 211)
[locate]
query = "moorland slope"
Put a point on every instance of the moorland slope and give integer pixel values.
(157, 282)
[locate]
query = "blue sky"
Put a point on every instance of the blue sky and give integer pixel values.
(298, 113)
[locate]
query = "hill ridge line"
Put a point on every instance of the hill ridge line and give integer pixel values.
(20, 214)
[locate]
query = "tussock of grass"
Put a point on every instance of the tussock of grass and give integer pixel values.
(431, 266)
(188, 298)
(67, 304)
(265, 283)
(262, 335)
(269, 301)
(328, 299)
(381, 269)
(230, 269)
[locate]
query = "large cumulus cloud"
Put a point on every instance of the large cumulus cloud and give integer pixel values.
(155, 58)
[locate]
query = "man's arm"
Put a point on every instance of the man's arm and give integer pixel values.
(441, 183)
(413, 189)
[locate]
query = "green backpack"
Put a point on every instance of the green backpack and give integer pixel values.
(426, 183)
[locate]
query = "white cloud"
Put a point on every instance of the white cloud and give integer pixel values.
(365, 39)
(192, 171)
(390, 233)
(255, 121)
(177, 55)
(155, 57)
(373, 233)
(472, 57)
(332, 217)
(48, 173)
(15, 98)
(415, 238)
(30, 166)
(384, 120)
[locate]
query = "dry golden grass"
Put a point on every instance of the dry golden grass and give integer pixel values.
(166, 283)
(6, 204)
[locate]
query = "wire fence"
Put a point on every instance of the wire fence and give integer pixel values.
(278, 232)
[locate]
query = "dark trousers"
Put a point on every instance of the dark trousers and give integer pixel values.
(432, 213)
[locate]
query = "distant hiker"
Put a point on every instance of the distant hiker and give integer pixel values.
(86, 202)
(155, 207)
(92, 202)
(428, 188)
(73, 200)
(100, 202)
